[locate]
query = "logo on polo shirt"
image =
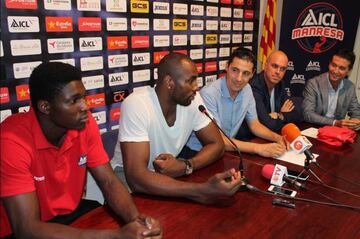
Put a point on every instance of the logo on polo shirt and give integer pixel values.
(82, 161)
(39, 178)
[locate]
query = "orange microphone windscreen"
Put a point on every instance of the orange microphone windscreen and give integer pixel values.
(290, 132)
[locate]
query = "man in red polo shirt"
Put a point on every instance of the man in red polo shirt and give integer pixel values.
(44, 157)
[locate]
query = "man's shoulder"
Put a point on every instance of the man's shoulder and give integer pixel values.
(18, 128)
(138, 95)
(319, 78)
(213, 88)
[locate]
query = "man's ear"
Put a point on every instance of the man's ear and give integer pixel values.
(169, 82)
(43, 106)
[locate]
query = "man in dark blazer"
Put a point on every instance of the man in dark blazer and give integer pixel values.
(329, 97)
(274, 104)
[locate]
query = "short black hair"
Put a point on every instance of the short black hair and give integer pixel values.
(169, 65)
(346, 54)
(48, 79)
(244, 54)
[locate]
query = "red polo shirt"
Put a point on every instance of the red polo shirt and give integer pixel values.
(30, 163)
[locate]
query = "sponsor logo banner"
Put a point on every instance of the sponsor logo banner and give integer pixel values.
(222, 65)
(238, 2)
(237, 26)
(22, 92)
(90, 43)
(159, 55)
(91, 63)
(161, 40)
(139, 6)
(224, 52)
(248, 26)
(210, 79)
(118, 60)
(118, 78)
(118, 96)
(238, 13)
(57, 5)
(237, 38)
(196, 25)
(19, 24)
(21, 4)
(140, 41)
(140, 58)
(183, 51)
(297, 79)
(117, 42)
(116, 24)
(313, 66)
(161, 8)
(212, 11)
(60, 45)
(211, 39)
(196, 54)
(211, 53)
(210, 66)
(225, 39)
(225, 1)
(88, 5)
(24, 69)
(196, 40)
(180, 40)
(199, 81)
(225, 25)
(225, 12)
(100, 117)
(115, 114)
(248, 37)
(140, 24)
(58, 24)
(180, 9)
(199, 68)
(179, 24)
(4, 95)
(95, 100)
(197, 10)
(93, 82)
(249, 13)
(116, 5)
(1, 49)
(141, 75)
(89, 24)
(25, 47)
(4, 114)
(161, 24)
(212, 25)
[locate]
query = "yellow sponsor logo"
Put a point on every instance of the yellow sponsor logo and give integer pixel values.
(179, 24)
(211, 39)
(139, 6)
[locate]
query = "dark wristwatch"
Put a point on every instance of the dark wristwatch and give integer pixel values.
(188, 167)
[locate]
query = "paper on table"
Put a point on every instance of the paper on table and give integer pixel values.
(310, 132)
(292, 157)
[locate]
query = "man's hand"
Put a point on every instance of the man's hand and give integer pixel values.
(273, 115)
(288, 106)
(272, 150)
(168, 165)
(142, 227)
(353, 123)
(219, 185)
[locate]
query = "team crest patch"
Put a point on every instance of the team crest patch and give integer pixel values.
(82, 161)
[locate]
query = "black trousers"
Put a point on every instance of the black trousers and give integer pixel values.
(84, 207)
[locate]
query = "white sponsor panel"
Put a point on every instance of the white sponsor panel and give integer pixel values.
(90, 43)
(161, 40)
(116, 24)
(19, 24)
(210, 79)
(118, 78)
(237, 25)
(100, 117)
(161, 24)
(222, 65)
(91, 63)
(25, 47)
(237, 38)
(238, 13)
(248, 26)
(155, 73)
(60, 45)
(24, 69)
(116, 5)
(225, 12)
(179, 40)
(211, 53)
(212, 11)
(180, 9)
(196, 25)
(224, 38)
(115, 127)
(140, 58)
(196, 54)
(120, 60)
(141, 75)
(88, 5)
(161, 8)
(224, 51)
(199, 81)
(93, 82)
(4, 114)
(196, 40)
(212, 25)
(24, 109)
(140, 24)
(225, 25)
(213, 1)
(140, 88)
(196, 10)
(57, 5)
(248, 37)
(70, 61)
(1, 49)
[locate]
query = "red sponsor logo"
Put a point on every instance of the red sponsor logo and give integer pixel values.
(58, 24)
(298, 145)
(21, 4)
(95, 100)
(118, 96)
(199, 67)
(159, 55)
(22, 92)
(140, 41)
(238, 2)
(118, 42)
(210, 66)
(89, 24)
(226, 1)
(221, 75)
(249, 13)
(4, 95)
(181, 51)
(115, 114)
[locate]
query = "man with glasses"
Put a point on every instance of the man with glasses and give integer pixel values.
(329, 97)
(230, 100)
(274, 106)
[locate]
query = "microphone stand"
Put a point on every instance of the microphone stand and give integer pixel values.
(244, 181)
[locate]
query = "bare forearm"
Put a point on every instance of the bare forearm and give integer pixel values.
(247, 147)
(207, 155)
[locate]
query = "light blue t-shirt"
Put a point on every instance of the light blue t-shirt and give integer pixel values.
(228, 113)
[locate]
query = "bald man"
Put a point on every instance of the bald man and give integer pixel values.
(274, 104)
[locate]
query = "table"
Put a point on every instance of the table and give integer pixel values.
(252, 215)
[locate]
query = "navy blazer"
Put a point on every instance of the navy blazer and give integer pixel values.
(262, 98)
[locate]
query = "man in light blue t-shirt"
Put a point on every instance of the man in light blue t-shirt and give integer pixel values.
(230, 100)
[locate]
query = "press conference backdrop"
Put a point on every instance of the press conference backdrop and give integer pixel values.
(117, 44)
(311, 32)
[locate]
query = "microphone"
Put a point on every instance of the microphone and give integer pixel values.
(300, 144)
(278, 176)
(244, 181)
